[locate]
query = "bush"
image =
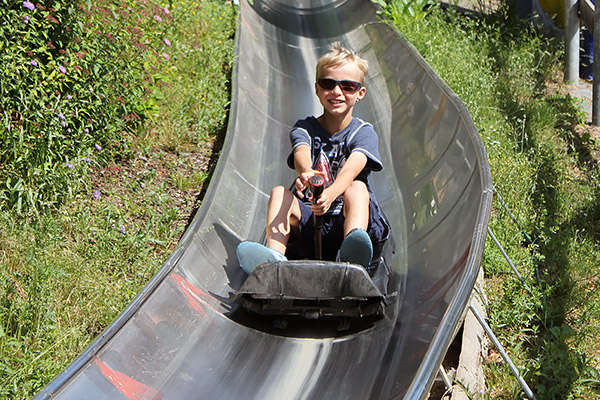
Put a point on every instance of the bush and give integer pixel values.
(73, 88)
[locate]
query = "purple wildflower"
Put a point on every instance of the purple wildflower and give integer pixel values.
(68, 97)
(34, 63)
(29, 5)
(166, 56)
(69, 165)
(86, 130)
(62, 69)
(165, 10)
(98, 147)
(123, 229)
(167, 42)
(64, 124)
(60, 116)
(158, 18)
(87, 160)
(26, 19)
(96, 194)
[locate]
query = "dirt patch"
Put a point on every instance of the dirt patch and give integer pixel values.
(589, 134)
(583, 92)
(155, 182)
(585, 139)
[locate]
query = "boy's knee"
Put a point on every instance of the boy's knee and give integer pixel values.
(278, 191)
(281, 197)
(357, 189)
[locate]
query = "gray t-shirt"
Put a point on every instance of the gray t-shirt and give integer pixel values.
(357, 136)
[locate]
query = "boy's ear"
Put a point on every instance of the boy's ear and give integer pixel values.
(361, 93)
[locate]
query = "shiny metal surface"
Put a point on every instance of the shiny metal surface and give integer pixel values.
(183, 337)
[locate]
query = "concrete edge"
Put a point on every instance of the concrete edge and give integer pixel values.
(469, 381)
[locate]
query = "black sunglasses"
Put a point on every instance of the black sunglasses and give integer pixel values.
(346, 85)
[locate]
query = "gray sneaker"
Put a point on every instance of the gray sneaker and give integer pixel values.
(252, 254)
(357, 248)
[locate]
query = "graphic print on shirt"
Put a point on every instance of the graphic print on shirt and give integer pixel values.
(327, 160)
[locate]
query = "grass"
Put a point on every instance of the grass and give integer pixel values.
(194, 86)
(67, 272)
(508, 75)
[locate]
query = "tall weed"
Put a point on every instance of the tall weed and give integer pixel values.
(399, 9)
(190, 107)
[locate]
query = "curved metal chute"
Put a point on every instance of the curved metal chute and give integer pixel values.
(183, 337)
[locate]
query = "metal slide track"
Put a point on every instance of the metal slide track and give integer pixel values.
(183, 337)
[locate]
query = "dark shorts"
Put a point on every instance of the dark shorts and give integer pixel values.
(302, 245)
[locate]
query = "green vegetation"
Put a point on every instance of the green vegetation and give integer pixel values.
(543, 164)
(87, 214)
(79, 80)
(109, 110)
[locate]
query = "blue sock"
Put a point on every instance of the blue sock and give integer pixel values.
(252, 254)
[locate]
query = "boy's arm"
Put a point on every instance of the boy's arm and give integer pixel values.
(303, 165)
(353, 166)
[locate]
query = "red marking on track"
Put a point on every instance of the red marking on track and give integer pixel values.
(245, 23)
(243, 20)
(449, 279)
(131, 388)
(456, 268)
(197, 298)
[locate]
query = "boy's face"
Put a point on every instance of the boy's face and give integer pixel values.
(335, 101)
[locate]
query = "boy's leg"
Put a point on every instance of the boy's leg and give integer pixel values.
(356, 207)
(283, 215)
(356, 247)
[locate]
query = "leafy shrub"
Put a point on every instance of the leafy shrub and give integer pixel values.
(395, 10)
(73, 87)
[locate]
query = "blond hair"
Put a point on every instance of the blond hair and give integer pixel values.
(339, 56)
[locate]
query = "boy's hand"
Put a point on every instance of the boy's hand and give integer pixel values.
(323, 203)
(302, 182)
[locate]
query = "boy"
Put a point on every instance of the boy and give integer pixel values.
(348, 147)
